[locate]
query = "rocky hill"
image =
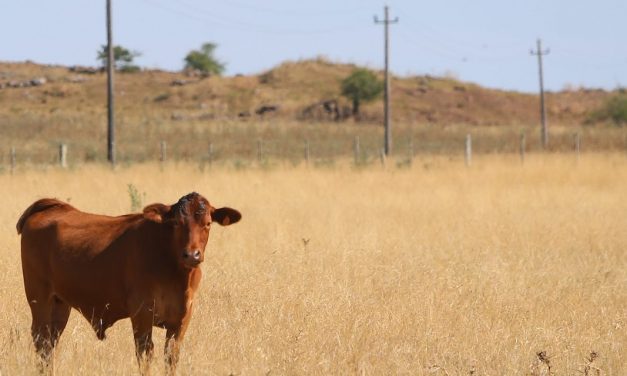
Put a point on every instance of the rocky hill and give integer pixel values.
(304, 91)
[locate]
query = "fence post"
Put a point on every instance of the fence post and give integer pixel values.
(210, 154)
(63, 155)
(12, 157)
(259, 150)
(307, 152)
(523, 142)
(577, 145)
(468, 150)
(382, 157)
(164, 151)
(356, 150)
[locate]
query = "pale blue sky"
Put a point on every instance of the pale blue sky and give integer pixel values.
(483, 41)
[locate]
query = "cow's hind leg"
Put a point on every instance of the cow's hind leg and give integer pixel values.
(50, 315)
(58, 319)
(40, 329)
(38, 294)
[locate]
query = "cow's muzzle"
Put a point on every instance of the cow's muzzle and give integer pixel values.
(192, 258)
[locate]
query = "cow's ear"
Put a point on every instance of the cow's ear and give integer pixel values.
(225, 216)
(156, 212)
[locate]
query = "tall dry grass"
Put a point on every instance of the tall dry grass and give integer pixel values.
(500, 269)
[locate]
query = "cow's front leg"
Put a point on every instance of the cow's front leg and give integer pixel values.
(142, 332)
(174, 336)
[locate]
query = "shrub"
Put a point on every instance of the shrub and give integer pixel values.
(137, 199)
(361, 86)
(203, 60)
(614, 110)
(122, 58)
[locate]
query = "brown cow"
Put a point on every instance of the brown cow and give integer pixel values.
(143, 266)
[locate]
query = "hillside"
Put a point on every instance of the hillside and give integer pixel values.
(292, 87)
(43, 106)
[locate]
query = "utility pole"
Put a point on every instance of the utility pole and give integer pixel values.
(545, 131)
(386, 89)
(110, 70)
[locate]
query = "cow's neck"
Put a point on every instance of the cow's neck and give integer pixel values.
(180, 274)
(166, 265)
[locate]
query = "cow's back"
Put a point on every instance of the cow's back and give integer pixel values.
(52, 227)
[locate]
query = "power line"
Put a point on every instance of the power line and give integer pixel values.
(434, 49)
(456, 53)
(202, 15)
(306, 13)
(423, 26)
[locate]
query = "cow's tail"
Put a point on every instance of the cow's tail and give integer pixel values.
(36, 207)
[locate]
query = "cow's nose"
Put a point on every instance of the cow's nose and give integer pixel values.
(196, 254)
(192, 254)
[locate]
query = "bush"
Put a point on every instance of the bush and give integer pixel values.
(361, 86)
(129, 69)
(203, 60)
(614, 110)
(122, 58)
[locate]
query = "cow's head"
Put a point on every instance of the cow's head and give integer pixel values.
(187, 223)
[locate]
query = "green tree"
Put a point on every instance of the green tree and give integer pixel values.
(203, 60)
(122, 58)
(614, 110)
(361, 86)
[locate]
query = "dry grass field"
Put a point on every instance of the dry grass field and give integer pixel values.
(436, 269)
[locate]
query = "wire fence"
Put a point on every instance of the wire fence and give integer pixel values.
(361, 151)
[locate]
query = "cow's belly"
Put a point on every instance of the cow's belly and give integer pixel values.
(94, 289)
(99, 309)
(101, 306)
(98, 294)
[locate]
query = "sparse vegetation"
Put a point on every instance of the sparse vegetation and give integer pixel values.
(361, 86)
(162, 97)
(122, 57)
(613, 110)
(590, 368)
(203, 60)
(137, 199)
(544, 361)
(150, 109)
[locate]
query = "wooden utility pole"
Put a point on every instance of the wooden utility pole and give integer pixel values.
(63, 155)
(13, 160)
(110, 70)
(356, 151)
(386, 90)
(545, 131)
(164, 152)
(468, 150)
(523, 147)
